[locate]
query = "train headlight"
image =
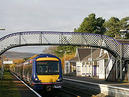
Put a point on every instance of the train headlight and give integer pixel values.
(59, 80)
(36, 79)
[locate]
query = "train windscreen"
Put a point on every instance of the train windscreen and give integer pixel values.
(47, 67)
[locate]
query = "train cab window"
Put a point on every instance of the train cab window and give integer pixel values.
(47, 67)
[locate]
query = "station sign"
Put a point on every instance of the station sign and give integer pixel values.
(7, 62)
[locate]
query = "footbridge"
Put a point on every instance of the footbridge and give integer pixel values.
(35, 38)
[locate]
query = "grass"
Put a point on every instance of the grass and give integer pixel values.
(8, 87)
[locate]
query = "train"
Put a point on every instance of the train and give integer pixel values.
(42, 72)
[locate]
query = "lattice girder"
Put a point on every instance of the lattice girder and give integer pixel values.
(63, 38)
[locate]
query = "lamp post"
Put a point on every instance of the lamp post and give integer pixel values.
(1, 58)
(92, 62)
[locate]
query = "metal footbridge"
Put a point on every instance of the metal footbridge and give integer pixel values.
(35, 38)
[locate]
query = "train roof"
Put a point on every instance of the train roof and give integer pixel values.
(45, 55)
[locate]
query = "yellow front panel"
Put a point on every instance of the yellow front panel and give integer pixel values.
(47, 59)
(48, 78)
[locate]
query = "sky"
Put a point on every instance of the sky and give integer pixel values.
(54, 15)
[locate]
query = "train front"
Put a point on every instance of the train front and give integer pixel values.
(47, 72)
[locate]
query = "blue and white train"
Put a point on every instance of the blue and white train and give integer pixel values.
(43, 71)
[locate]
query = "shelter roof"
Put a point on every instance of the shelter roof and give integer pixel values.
(95, 54)
(82, 53)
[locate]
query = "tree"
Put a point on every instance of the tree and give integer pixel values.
(65, 53)
(50, 50)
(91, 24)
(62, 50)
(124, 22)
(18, 61)
(113, 27)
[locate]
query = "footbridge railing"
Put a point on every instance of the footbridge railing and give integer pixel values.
(63, 38)
(118, 50)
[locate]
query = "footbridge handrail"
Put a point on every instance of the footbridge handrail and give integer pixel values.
(63, 38)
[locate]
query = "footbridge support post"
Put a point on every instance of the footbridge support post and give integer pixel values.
(117, 68)
(121, 61)
(121, 71)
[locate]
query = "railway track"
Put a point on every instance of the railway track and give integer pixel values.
(80, 89)
(70, 89)
(69, 92)
(76, 92)
(53, 93)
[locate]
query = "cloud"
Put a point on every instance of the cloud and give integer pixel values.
(57, 15)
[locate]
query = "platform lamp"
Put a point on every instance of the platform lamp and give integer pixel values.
(1, 58)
